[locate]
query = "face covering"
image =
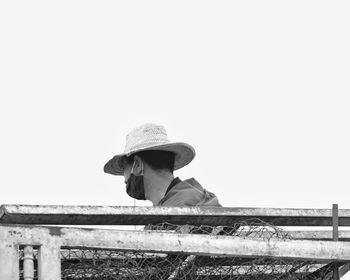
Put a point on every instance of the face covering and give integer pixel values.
(134, 185)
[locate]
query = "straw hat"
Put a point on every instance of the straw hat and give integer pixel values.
(150, 137)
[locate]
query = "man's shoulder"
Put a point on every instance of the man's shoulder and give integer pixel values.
(189, 183)
(189, 192)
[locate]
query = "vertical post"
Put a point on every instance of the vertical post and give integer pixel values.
(335, 220)
(28, 263)
(49, 262)
(9, 260)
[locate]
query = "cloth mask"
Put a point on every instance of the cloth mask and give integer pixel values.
(135, 186)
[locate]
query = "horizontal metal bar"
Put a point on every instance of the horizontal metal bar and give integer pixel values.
(128, 215)
(196, 244)
(344, 235)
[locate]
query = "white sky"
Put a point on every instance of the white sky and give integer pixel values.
(259, 88)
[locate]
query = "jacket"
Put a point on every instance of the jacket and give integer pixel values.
(189, 193)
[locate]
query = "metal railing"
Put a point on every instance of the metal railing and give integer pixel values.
(24, 230)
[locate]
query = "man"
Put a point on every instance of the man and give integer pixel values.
(147, 164)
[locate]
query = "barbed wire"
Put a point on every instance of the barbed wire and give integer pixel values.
(93, 264)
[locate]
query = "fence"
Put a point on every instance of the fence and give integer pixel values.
(186, 243)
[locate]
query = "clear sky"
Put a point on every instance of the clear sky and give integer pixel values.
(259, 88)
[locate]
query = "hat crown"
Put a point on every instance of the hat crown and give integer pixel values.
(145, 136)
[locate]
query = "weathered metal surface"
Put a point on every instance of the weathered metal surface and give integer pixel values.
(45, 239)
(209, 245)
(186, 243)
(49, 261)
(28, 263)
(127, 215)
(344, 235)
(9, 257)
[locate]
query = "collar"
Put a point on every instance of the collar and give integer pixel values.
(172, 184)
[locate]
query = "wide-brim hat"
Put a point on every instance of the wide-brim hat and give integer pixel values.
(150, 137)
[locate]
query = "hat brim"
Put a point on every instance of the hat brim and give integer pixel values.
(184, 154)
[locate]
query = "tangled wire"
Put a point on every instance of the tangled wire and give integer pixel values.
(95, 264)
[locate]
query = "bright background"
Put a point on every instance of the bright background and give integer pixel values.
(259, 88)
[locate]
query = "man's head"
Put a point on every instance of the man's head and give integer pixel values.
(147, 173)
(149, 153)
(154, 160)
